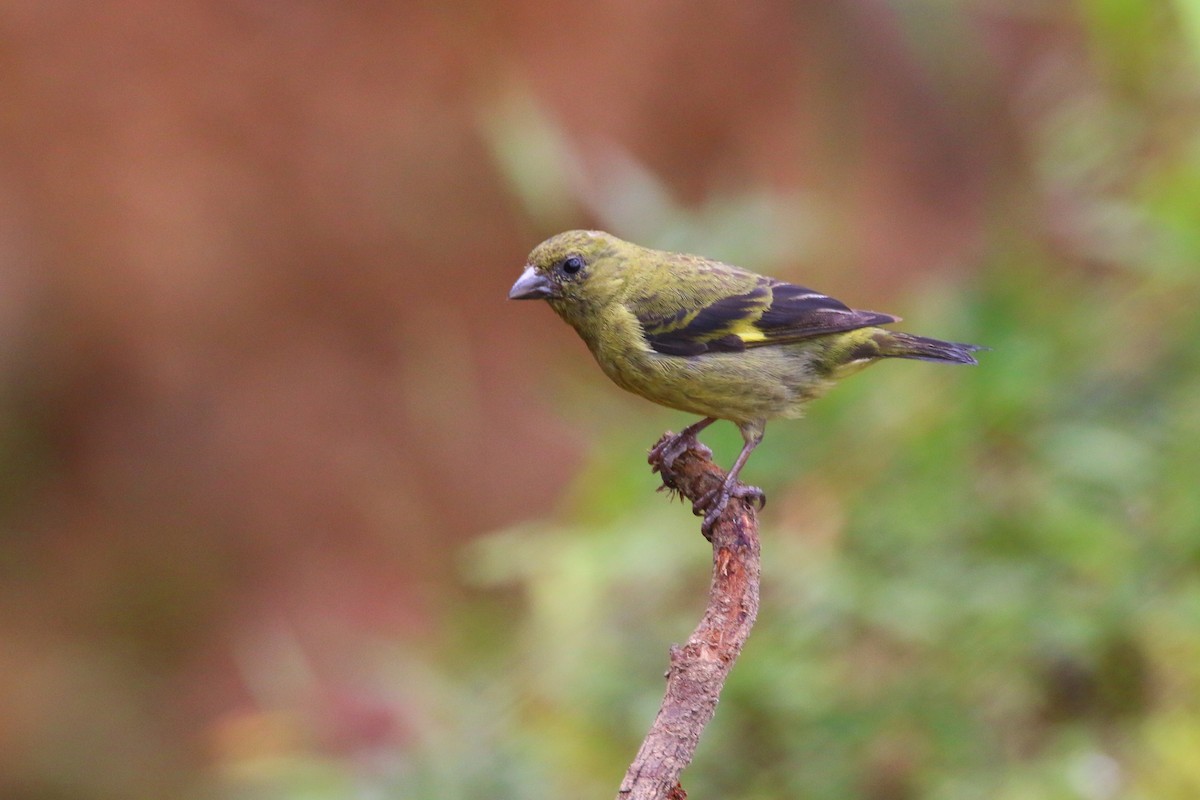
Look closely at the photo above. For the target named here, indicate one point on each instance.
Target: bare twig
(699, 668)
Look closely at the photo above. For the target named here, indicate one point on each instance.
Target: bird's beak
(532, 285)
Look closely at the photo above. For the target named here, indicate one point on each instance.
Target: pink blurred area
(259, 379)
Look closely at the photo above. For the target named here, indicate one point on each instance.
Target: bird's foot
(712, 504)
(662, 455)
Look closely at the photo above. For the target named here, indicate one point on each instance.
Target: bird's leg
(663, 455)
(714, 502)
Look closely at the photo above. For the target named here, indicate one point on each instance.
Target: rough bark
(698, 669)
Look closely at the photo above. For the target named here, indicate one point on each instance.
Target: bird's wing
(720, 308)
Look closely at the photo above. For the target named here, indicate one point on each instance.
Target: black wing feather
(791, 303)
(797, 313)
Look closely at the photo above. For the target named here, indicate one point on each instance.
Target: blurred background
(296, 505)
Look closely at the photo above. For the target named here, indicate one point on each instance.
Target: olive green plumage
(710, 338)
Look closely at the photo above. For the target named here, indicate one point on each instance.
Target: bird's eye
(572, 265)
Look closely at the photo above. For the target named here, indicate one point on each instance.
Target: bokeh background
(296, 505)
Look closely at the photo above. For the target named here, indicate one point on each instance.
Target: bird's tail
(905, 345)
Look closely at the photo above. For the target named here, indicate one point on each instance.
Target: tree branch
(699, 668)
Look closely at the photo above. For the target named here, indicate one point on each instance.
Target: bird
(711, 339)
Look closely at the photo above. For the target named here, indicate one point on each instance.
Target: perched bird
(710, 338)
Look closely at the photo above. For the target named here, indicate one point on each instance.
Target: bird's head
(575, 271)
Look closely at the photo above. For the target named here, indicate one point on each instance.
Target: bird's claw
(713, 503)
(752, 493)
(662, 455)
(711, 516)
